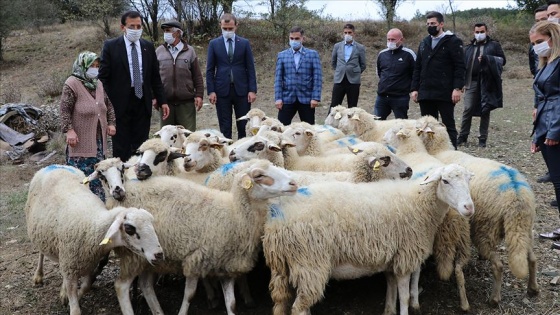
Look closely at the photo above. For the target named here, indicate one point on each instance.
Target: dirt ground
(508, 143)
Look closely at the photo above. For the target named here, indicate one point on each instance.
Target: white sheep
(70, 225)
(452, 244)
(209, 233)
(306, 139)
(384, 226)
(257, 118)
(365, 125)
(266, 145)
(173, 135)
(505, 206)
(334, 116)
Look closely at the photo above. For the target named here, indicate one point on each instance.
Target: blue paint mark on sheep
(275, 211)
(514, 183)
(54, 167)
(224, 169)
(418, 175)
(304, 191)
(329, 128)
(352, 140)
(390, 148)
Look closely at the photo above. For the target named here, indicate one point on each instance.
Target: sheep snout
(143, 171)
(119, 193)
(406, 174)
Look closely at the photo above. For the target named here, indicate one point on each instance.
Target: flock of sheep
(348, 199)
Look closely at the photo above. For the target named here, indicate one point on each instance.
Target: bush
(10, 93)
(52, 86)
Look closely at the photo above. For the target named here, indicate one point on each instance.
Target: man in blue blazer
(230, 76)
(129, 71)
(297, 81)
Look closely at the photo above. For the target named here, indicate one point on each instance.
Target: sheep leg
(391, 295)
(190, 288)
(85, 285)
(414, 301)
(280, 292)
(122, 286)
(146, 282)
(210, 296)
(71, 285)
(497, 271)
(532, 286)
(460, 277)
(308, 292)
(38, 277)
(243, 284)
(403, 283)
(228, 285)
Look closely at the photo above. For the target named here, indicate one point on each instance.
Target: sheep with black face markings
(71, 226)
(210, 233)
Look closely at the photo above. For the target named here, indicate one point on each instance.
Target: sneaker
(461, 141)
(554, 203)
(544, 179)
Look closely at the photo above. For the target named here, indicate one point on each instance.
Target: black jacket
(489, 48)
(533, 60)
(395, 69)
(440, 70)
(115, 74)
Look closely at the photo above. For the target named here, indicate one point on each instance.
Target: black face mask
(432, 30)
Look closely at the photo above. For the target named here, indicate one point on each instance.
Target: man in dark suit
(298, 80)
(129, 71)
(230, 76)
(348, 62)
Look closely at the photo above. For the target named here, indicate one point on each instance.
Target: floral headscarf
(81, 64)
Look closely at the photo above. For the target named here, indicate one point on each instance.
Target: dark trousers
(183, 113)
(472, 102)
(551, 156)
(224, 109)
(384, 104)
(352, 92)
(288, 111)
(446, 109)
(133, 128)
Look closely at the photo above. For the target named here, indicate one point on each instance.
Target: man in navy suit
(129, 71)
(230, 76)
(297, 81)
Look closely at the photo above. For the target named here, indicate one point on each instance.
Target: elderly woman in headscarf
(87, 117)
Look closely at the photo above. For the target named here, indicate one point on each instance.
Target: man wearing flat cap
(181, 77)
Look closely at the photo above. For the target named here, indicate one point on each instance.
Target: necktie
(136, 79)
(230, 50)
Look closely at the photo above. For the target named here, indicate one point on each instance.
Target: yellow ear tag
(105, 241)
(355, 150)
(85, 181)
(376, 166)
(247, 183)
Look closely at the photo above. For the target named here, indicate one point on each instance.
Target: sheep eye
(445, 181)
(263, 119)
(298, 133)
(129, 229)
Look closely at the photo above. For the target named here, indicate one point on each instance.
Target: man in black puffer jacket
(439, 74)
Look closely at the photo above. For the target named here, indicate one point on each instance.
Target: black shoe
(555, 246)
(544, 179)
(554, 203)
(482, 143)
(461, 141)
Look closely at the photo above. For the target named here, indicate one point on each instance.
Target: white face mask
(91, 73)
(480, 37)
(542, 49)
(348, 38)
(392, 45)
(228, 34)
(168, 38)
(554, 20)
(133, 35)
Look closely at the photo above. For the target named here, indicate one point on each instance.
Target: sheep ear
(113, 229)
(434, 176)
(175, 155)
(402, 134)
(92, 176)
(244, 117)
(224, 140)
(157, 134)
(186, 132)
(308, 132)
(274, 147)
(128, 165)
(354, 150)
(337, 116)
(286, 143)
(355, 117)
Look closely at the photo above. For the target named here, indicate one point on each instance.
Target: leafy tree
(98, 11)
(282, 14)
(388, 9)
(529, 5)
(151, 11)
